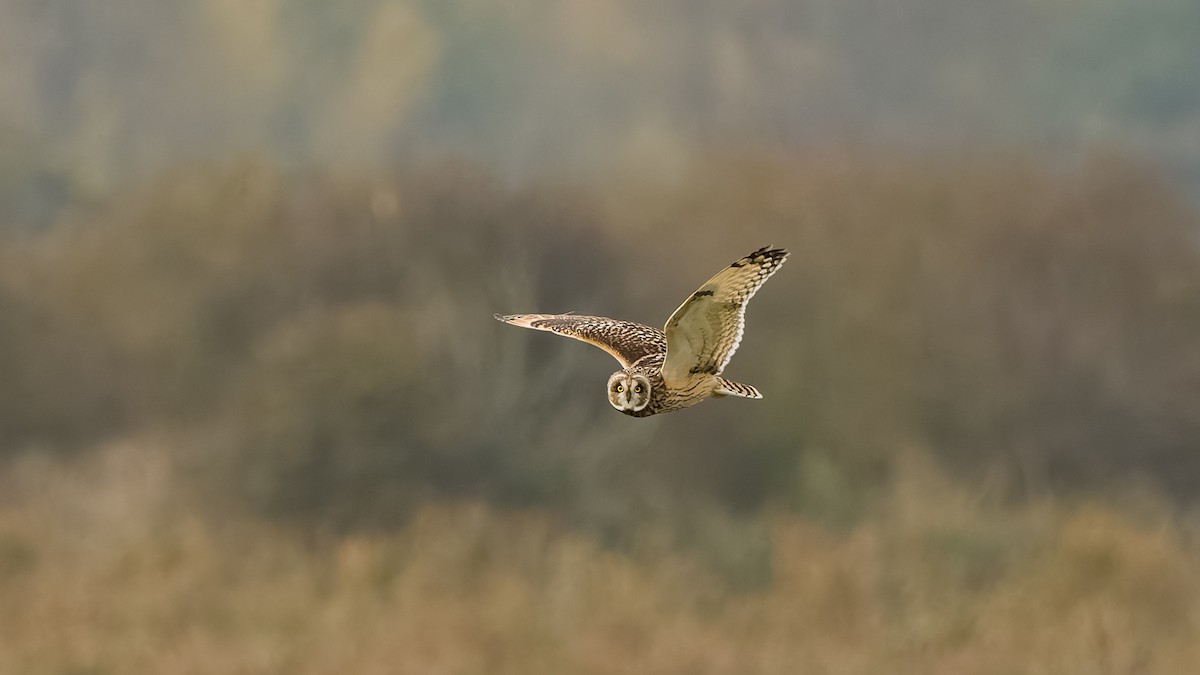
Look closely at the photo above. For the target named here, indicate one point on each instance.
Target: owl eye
(637, 389)
(620, 388)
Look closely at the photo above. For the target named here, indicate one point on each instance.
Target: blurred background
(256, 416)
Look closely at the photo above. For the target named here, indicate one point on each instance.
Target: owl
(680, 365)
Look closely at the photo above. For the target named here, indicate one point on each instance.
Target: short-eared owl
(679, 366)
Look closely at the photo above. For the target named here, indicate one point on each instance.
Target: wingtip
(511, 318)
(775, 256)
(523, 320)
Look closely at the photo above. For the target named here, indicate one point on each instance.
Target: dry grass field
(106, 568)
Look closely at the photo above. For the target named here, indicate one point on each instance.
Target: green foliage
(326, 342)
(33, 187)
(326, 419)
(536, 88)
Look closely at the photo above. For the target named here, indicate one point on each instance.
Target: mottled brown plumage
(681, 365)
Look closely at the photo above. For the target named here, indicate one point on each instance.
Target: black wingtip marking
(764, 253)
(768, 252)
(701, 294)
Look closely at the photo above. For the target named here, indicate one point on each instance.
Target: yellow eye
(620, 388)
(637, 389)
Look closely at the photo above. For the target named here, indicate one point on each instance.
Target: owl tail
(731, 388)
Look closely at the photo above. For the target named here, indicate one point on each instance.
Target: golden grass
(105, 569)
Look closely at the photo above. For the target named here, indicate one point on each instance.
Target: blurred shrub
(328, 341)
(34, 188)
(1041, 323)
(332, 333)
(564, 85)
(325, 421)
(61, 385)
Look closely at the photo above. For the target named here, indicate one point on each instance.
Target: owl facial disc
(628, 392)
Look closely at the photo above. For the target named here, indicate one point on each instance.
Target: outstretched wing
(705, 331)
(625, 340)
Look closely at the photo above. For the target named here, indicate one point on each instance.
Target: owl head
(628, 392)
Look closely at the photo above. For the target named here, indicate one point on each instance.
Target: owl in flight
(680, 365)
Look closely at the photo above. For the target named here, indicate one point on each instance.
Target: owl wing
(625, 340)
(705, 331)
